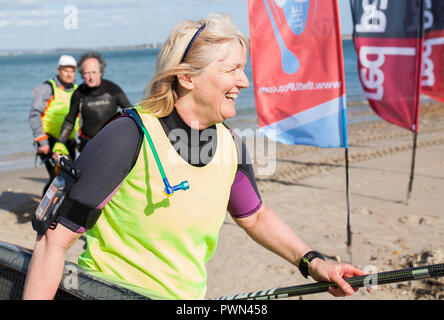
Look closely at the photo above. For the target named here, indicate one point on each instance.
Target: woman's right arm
(46, 268)
(103, 164)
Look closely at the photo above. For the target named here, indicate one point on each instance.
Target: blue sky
(51, 24)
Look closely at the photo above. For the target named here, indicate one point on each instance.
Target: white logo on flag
(373, 20)
(428, 74)
(371, 76)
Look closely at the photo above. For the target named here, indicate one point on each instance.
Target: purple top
(244, 200)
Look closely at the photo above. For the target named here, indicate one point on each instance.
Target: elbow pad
(76, 216)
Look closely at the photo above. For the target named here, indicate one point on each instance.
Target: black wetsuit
(95, 106)
(109, 157)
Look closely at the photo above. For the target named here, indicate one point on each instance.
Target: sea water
(131, 70)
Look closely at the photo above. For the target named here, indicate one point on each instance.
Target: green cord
(147, 135)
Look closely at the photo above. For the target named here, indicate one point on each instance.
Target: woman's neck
(195, 146)
(191, 115)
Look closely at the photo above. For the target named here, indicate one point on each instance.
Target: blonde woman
(144, 240)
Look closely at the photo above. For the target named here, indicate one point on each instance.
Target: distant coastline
(66, 50)
(106, 48)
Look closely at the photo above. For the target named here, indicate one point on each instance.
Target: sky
(52, 24)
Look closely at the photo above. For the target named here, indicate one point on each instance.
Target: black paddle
(430, 271)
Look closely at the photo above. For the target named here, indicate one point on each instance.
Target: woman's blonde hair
(161, 93)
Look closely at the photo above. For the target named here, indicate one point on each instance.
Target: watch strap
(306, 259)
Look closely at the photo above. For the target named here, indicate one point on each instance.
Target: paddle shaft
(436, 270)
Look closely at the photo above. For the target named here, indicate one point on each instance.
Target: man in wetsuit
(95, 101)
(49, 109)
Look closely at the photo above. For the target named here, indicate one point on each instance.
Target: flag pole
(412, 168)
(418, 101)
(347, 183)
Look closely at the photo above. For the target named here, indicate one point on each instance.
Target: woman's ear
(186, 81)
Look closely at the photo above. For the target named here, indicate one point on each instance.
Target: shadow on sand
(22, 204)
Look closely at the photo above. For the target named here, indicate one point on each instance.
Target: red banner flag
(388, 37)
(297, 64)
(433, 56)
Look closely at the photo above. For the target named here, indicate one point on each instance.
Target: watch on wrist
(306, 259)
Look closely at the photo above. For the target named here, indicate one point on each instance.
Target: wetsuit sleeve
(42, 94)
(122, 100)
(104, 163)
(70, 119)
(120, 96)
(245, 198)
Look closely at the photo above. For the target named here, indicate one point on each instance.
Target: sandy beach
(308, 191)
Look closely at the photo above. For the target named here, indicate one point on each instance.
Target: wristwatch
(306, 259)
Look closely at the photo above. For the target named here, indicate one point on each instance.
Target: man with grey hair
(49, 108)
(94, 102)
